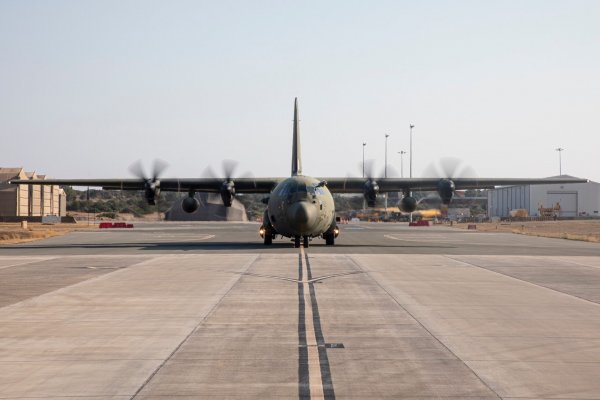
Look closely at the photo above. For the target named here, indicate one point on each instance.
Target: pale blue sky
(88, 87)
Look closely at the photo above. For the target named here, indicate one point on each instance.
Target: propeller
(371, 188)
(151, 183)
(448, 168)
(227, 189)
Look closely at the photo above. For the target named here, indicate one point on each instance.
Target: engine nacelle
(408, 204)
(227, 193)
(446, 190)
(151, 191)
(190, 204)
(370, 192)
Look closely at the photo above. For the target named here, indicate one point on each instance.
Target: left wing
(242, 185)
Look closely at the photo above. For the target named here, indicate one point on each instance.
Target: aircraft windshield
(299, 187)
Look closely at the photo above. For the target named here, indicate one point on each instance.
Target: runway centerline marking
(314, 374)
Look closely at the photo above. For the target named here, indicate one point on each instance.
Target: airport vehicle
(298, 207)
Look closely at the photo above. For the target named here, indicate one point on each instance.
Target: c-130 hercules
(299, 207)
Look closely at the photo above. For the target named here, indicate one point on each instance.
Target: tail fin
(296, 152)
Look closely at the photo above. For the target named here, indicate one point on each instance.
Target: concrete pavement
(155, 313)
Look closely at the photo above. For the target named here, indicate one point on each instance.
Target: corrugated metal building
(574, 199)
(211, 209)
(29, 200)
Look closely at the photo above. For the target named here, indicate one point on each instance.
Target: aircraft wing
(357, 185)
(242, 185)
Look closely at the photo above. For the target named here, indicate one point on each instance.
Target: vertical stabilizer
(296, 153)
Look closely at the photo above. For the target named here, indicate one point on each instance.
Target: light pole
(364, 144)
(411, 148)
(387, 135)
(560, 150)
(364, 204)
(402, 153)
(411, 157)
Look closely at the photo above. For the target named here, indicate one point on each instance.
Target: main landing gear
(267, 234)
(330, 235)
(329, 238)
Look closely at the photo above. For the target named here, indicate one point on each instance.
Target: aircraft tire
(268, 239)
(329, 239)
(306, 242)
(297, 241)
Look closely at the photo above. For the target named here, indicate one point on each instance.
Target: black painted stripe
(326, 379)
(303, 377)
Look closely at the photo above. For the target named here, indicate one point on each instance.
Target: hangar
(565, 201)
(29, 200)
(211, 209)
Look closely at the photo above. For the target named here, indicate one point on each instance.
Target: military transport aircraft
(299, 207)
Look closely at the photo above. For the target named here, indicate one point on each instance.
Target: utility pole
(560, 150)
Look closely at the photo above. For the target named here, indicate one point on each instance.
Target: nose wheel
(304, 239)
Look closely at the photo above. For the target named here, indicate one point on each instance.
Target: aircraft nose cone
(301, 215)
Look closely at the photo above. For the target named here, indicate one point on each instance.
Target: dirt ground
(586, 230)
(11, 233)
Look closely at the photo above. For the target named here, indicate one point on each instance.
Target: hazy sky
(88, 87)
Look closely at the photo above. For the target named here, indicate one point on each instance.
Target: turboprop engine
(370, 192)
(446, 190)
(227, 193)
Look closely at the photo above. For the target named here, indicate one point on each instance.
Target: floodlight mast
(387, 135)
(560, 150)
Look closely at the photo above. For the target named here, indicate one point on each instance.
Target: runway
(205, 310)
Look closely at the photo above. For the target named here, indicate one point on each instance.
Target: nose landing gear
(305, 241)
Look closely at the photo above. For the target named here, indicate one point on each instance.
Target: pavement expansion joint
(294, 280)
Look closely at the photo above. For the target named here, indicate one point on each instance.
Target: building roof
(7, 174)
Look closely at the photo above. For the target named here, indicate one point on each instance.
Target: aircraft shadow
(200, 245)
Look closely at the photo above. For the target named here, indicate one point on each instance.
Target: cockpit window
(286, 189)
(299, 187)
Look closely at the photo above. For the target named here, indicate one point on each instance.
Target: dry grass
(11, 233)
(585, 230)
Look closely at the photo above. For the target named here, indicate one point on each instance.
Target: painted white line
(25, 261)
(424, 239)
(314, 365)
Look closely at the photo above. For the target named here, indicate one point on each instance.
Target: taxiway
(205, 310)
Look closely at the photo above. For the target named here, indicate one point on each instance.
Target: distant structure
(564, 201)
(29, 200)
(211, 209)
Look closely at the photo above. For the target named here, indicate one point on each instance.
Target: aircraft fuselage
(299, 206)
